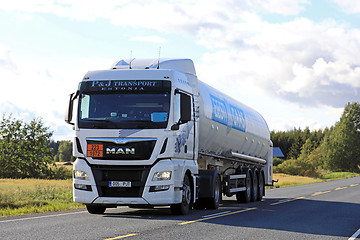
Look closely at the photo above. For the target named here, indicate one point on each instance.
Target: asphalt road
(329, 210)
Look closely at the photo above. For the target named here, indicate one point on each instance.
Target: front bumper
(142, 190)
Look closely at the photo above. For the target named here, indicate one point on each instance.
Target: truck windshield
(113, 110)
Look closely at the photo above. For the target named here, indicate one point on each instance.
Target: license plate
(95, 150)
(119, 184)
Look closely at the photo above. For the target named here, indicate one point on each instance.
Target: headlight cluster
(81, 175)
(159, 176)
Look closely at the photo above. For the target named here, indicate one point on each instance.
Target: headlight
(159, 176)
(81, 175)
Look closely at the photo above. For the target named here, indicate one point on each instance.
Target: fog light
(83, 187)
(159, 188)
(159, 176)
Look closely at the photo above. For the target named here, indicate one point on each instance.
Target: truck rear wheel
(255, 186)
(183, 207)
(261, 186)
(245, 196)
(214, 201)
(93, 209)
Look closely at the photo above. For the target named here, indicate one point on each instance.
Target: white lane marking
(47, 216)
(355, 235)
(215, 214)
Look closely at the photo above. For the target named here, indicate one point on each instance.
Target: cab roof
(183, 65)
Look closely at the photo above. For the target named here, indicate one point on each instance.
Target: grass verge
(25, 196)
(286, 180)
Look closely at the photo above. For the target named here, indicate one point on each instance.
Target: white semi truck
(149, 133)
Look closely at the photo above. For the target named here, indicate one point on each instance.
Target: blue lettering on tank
(227, 114)
(238, 118)
(219, 111)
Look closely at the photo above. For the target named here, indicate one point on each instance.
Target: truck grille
(134, 174)
(141, 150)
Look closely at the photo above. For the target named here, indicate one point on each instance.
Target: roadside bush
(62, 173)
(298, 167)
(277, 161)
(23, 149)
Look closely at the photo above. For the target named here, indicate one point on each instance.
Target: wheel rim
(255, 186)
(217, 190)
(248, 184)
(186, 194)
(261, 185)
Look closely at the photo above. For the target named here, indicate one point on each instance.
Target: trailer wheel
(255, 185)
(261, 190)
(245, 196)
(95, 209)
(214, 202)
(183, 207)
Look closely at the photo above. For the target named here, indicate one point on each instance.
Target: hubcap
(186, 194)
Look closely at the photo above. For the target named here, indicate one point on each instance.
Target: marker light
(81, 175)
(159, 176)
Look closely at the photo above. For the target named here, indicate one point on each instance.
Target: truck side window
(182, 108)
(177, 109)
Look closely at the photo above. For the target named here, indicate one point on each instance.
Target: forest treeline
(314, 153)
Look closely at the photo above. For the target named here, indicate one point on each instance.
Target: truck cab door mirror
(69, 110)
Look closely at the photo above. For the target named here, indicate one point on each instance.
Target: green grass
(339, 175)
(286, 180)
(26, 196)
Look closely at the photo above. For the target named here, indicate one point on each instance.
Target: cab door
(184, 121)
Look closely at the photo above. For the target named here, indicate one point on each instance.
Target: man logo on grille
(121, 151)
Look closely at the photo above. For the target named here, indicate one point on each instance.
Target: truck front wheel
(183, 207)
(93, 209)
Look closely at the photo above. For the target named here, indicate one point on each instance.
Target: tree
(64, 153)
(340, 148)
(23, 149)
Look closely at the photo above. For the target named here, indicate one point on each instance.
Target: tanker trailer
(148, 133)
(234, 140)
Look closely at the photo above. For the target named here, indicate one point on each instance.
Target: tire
(95, 209)
(261, 188)
(214, 202)
(245, 196)
(183, 207)
(255, 186)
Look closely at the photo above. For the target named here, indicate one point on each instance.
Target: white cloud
(349, 6)
(151, 39)
(301, 61)
(40, 89)
(314, 64)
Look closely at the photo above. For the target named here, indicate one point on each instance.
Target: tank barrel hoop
(250, 158)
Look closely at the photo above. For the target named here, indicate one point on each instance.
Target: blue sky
(296, 62)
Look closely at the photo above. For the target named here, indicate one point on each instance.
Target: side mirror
(69, 110)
